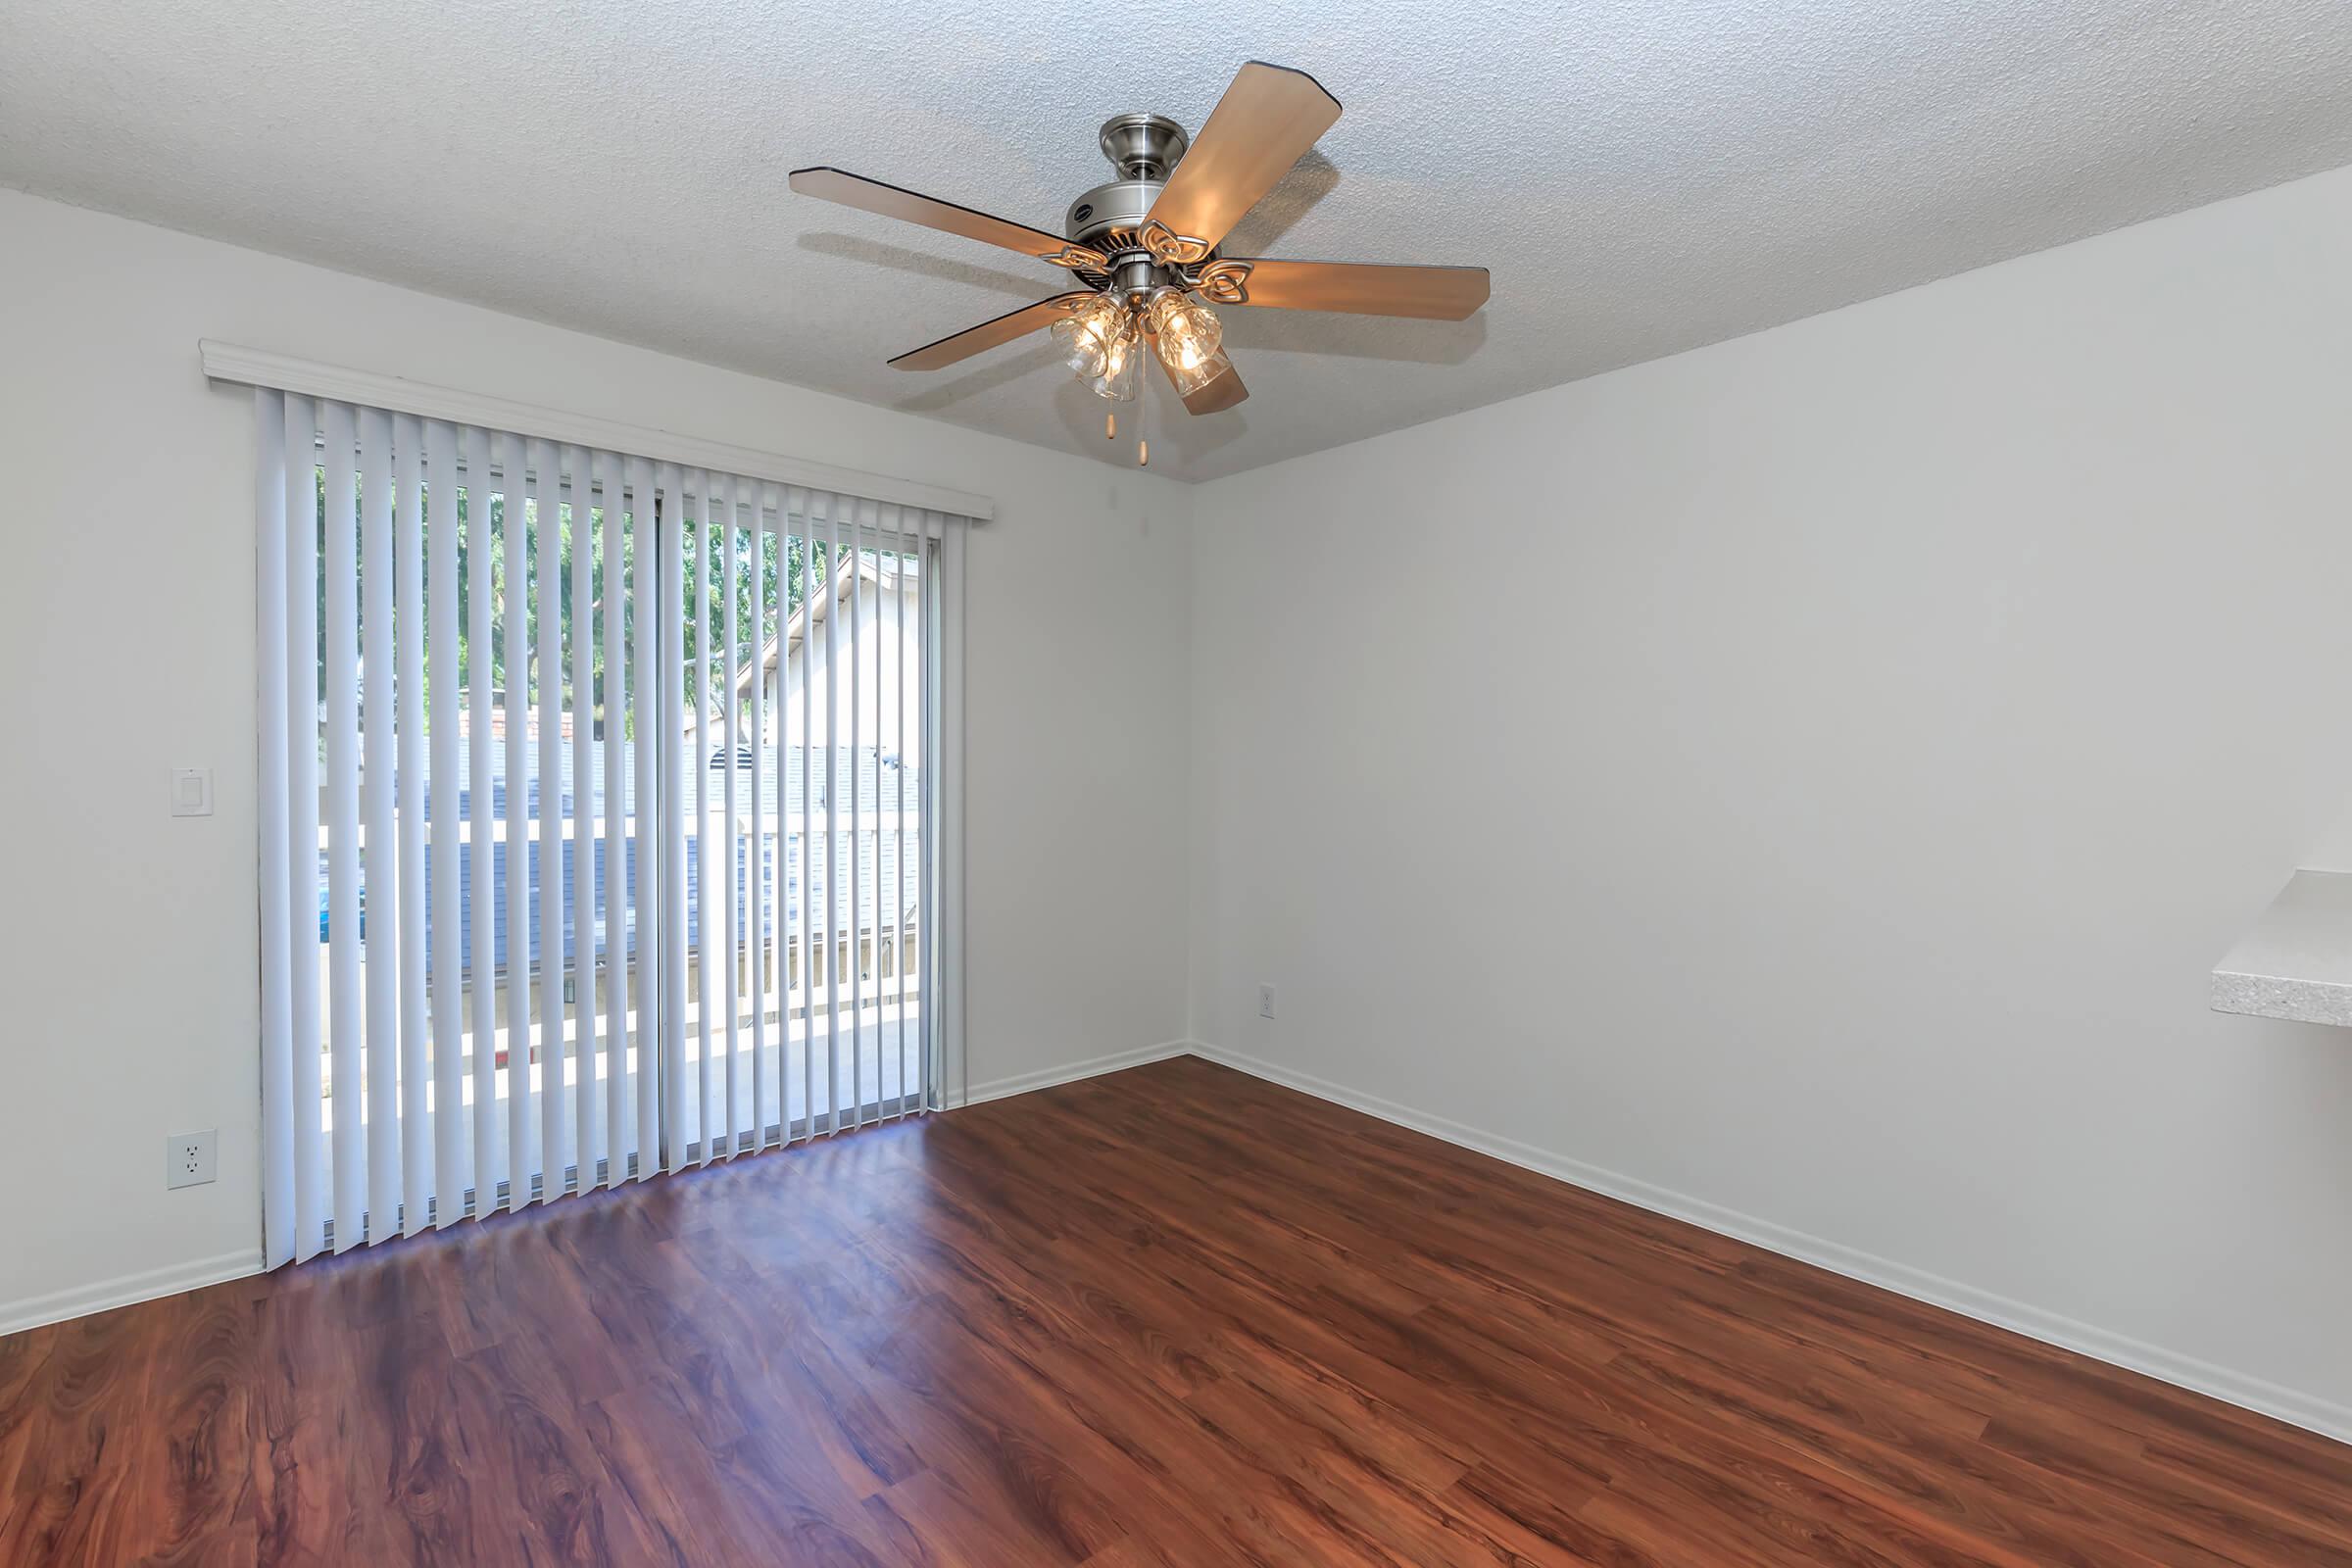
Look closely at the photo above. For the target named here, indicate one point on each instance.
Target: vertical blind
(597, 832)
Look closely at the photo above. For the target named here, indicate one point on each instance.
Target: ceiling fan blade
(1215, 396)
(1363, 289)
(1265, 124)
(911, 207)
(988, 334)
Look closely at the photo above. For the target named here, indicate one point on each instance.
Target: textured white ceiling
(1642, 175)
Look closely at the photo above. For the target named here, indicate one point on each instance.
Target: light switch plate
(189, 1158)
(191, 792)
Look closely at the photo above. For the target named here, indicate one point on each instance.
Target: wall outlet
(1265, 999)
(189, 1159)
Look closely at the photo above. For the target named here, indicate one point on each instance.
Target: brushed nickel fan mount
(1146, 247)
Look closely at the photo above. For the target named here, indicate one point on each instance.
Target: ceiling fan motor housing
(1143, 146)
(1145, 149)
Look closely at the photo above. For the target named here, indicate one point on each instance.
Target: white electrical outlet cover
(189, 1158)
(191, 792)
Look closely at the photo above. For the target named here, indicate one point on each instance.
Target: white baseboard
(2304, 1410)
(82, 1299)
(1067, 1073)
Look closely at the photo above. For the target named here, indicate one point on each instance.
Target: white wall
(127, 939)
(1813, 777)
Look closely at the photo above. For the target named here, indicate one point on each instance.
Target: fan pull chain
(1110, 426)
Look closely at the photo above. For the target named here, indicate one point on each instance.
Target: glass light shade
(1084, 335)
(1188, 336)
(1193, 375)
(1122, 351)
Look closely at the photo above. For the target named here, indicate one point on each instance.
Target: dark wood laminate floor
(1170, 1318)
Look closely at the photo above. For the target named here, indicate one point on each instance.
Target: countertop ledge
(2296, 962)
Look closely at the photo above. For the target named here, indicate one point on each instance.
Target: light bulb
(1188, 336)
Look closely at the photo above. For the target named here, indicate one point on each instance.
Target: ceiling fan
(1146, 247)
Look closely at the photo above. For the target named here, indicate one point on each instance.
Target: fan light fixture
(1101, 340)
(1145, 248)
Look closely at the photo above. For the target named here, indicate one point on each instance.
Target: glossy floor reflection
(1171, 1316)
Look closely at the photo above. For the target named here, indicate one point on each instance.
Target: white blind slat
(484, 1165)
(613, 764)
(301, 497)
(277, 887)
(670, 532)
(379, 853)
(447, 980)
(771, 1089)
(707, 862)
(860, 690)
(588, 1135)
(766, 834)
(917, 764)
(544, 488)
(515, 607)
(792, 872)
(407, 648)
(347, 1005)
(617, 1111)
(645, 689)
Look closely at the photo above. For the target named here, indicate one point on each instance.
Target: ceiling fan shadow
(851, 247)
(1360, 337)
(994, 373)
(1313, 177)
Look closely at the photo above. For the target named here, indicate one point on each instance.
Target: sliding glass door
(600, 826)
(807, 803)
